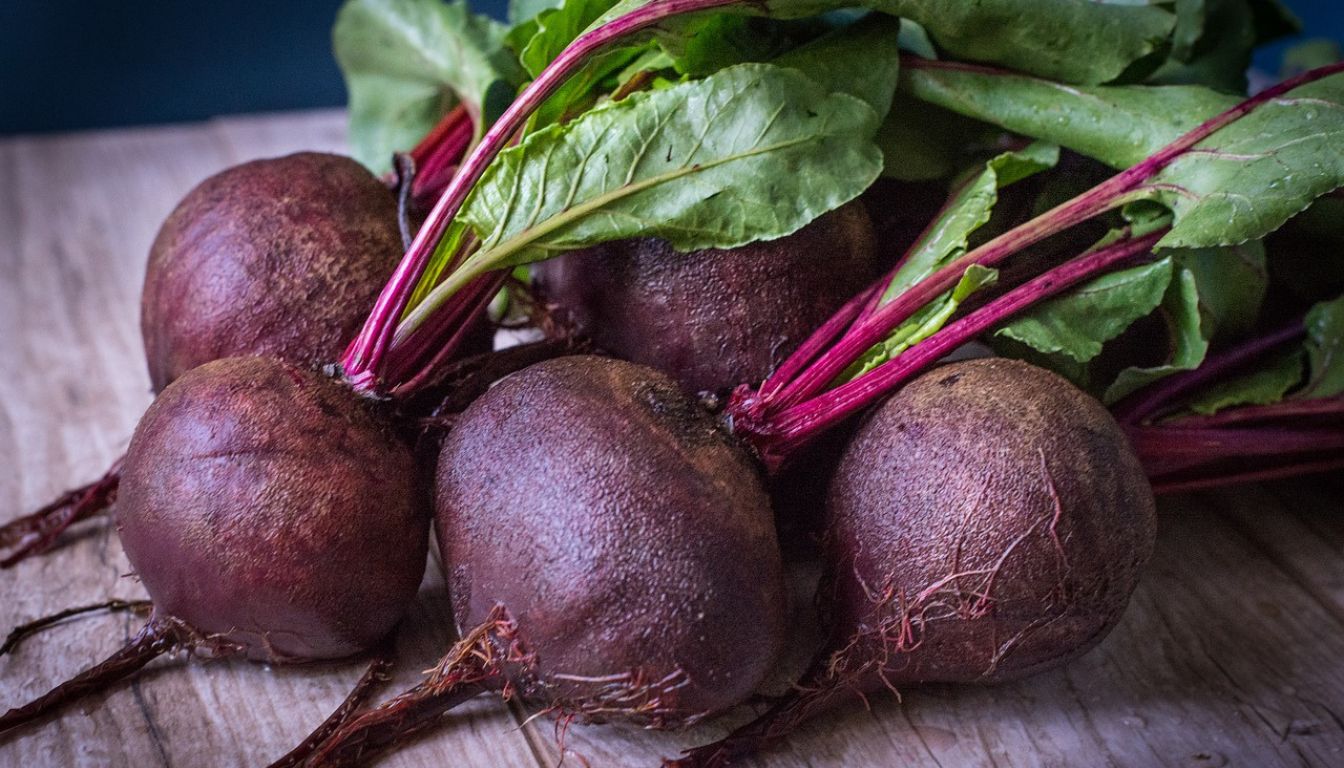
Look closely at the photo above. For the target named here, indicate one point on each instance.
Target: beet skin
(713, 319)
(270, 505)
(281, 258)
(988, 521)
(624, 534)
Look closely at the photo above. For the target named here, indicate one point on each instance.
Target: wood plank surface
(1232, 652)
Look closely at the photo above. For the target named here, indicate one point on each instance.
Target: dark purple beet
(269, 504)
(713, 319)
(269, 512)
(622, 530)
(1000, 514)
(281, 258)
(987, 522)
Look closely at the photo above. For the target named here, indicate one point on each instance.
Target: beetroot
(987, 522)
(1007, 547)
(609, 551)
(713, 319)
(281, 258)
(269, 512)
(251, 490)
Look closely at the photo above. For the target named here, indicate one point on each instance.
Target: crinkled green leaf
(407, 62)
(1078, 323)
(1189, 345)
(1072, 40)
(753, 152)
(948, 237)
(1267, 384)
(1325, 350)
(1247, 179)
(1118, 125)
(862, 59)
(1223, 286)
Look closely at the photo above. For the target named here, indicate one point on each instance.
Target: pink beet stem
(434, 172)
(1217, 479)
(794, 428)
(1285, 410)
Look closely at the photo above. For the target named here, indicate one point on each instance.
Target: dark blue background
(69, 64)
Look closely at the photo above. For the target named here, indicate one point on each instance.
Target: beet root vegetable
(268, 512)
(987, 522)
(610, 554)
(712, 319)
(279, 257)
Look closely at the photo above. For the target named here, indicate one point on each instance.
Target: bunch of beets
(937, 299)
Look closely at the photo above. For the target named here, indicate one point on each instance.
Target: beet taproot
(269, 512)
(712, 319)
(987, 522)
(280, 258)
(1001, 515)
(269, 504)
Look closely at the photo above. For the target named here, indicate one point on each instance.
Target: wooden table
(1232, 652)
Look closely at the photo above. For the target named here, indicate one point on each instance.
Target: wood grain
(1231, 654)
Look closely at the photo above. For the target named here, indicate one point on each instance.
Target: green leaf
(407, 62)
(1219, 50)
(710, 42)
(753, 152)
(1118, 125)
(1232, 283)
(1325, 350)
(1267, 384)
(948, 237)
(1247, 179)
(1190, 17)
(556, 28)
(921, 142)
(1077, 41)
(1180, 306)
(1078, 323)
(862, 60)
(1072, 40)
